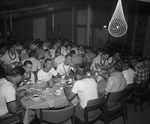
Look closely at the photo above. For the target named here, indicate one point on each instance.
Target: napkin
(49, 101)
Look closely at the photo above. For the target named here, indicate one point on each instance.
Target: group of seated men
(44, 64)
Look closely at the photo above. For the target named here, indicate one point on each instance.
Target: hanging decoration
(118, 26)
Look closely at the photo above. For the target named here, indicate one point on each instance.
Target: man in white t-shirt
(9, 99)
(64, 68)
(28, 77)
(46, 73)
(46, 76)
(86, 89)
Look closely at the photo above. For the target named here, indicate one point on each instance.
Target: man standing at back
(9, 98)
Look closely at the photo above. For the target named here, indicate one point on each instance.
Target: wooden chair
(57, 116)
(129, 91)
(92, 105)
(115, 107)
(12, 118)
(142, 94)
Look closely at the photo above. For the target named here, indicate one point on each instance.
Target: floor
(134, 117)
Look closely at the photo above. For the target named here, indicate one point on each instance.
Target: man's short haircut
(32, 53)
(27, 62)
(80, 72)
(118, 66)
(18, 70)
(48, 59)
(72, 52)
(67, 56)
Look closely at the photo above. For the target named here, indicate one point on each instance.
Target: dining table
(43, 98)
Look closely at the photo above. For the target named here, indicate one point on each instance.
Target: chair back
(130, 86)
(12, 118)
(116, 107)
(144, 84)
(57, 116)
(93, 105)
(130, 89)
(114, 96)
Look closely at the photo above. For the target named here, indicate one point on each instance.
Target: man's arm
(13, 106)
(69, 94)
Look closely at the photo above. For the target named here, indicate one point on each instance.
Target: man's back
(129, 75)
(86, 90)
(116, 82)
(7, 94)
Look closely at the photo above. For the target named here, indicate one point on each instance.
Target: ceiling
(26, 8)
(17, 4)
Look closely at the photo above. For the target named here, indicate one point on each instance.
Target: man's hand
(97, 66)
(21, 94)
(67, 88)
(69, 94)
(50, 83)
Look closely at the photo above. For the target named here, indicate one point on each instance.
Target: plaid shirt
(141, 72)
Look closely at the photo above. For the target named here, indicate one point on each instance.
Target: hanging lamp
(118, 26)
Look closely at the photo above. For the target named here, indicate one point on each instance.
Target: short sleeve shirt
(86, 90)
(7, 94)
(63, 69)
(45, 76)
